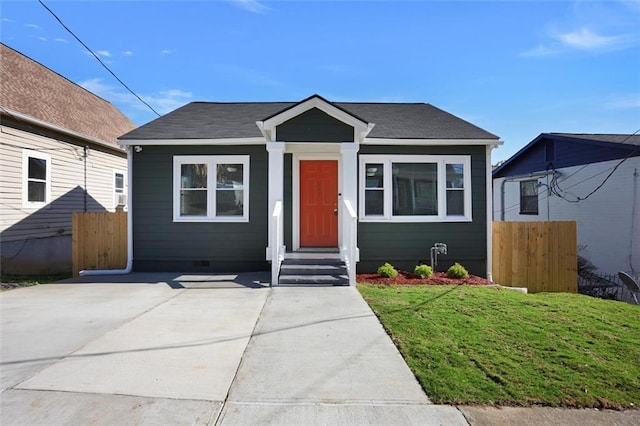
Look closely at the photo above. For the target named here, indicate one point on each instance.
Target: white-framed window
(36, 178)
(119, 189)
(415, 188)
(211, 188)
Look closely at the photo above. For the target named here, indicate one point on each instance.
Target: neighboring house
(59, 155)
(593, 179)
(391, 178)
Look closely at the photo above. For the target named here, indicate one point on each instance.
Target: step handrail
(349, 250)
(277, 249)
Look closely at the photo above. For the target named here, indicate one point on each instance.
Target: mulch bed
(406, 278)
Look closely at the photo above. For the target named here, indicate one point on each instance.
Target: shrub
(457, 271)
(423, 271)
(387, 271)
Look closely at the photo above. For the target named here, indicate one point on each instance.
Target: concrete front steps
(313, 269)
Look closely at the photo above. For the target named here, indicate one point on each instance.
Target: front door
(318, 203)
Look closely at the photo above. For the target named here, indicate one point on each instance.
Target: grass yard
(474, 345)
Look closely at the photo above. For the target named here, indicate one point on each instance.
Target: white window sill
(418, 219)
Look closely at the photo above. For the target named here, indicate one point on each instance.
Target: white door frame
(301, 156)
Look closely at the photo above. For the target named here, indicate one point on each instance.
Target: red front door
(319, 203)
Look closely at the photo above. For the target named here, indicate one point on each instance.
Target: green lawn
(474, 345)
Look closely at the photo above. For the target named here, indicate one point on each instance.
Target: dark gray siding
(288, 201)
(160, 244)
(314, 125)
(406, 244)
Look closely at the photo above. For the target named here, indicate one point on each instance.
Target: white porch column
(276, 186)
(349, 153)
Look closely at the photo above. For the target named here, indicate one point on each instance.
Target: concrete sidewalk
(223, 350)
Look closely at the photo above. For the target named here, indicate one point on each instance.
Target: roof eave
(37, 122)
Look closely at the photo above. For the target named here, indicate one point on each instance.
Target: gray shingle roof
(216, 120)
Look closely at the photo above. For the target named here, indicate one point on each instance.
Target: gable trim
(268, 126)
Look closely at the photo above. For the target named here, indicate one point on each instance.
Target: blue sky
(516, 69)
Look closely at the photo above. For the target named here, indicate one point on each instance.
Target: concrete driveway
(190, 349)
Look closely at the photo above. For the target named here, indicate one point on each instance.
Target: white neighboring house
(59, 155)
(593, 179)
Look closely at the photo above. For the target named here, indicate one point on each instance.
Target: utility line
(97, 58)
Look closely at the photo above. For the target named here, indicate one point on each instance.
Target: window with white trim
(415, 188)
(119, 189)
(36, 178)
(211, 188)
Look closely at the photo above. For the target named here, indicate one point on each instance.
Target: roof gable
(551, 151)
(267, 125)
(31, 89)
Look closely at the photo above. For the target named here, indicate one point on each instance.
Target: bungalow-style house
(58, 155)
(593, 179)
(233, 186)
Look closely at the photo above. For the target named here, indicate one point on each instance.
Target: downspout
(129, 266)
(489, 220)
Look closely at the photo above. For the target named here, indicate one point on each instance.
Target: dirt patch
(406, 278)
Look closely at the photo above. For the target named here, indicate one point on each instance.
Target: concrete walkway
(217, 350)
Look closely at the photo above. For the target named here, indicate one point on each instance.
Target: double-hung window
(119, 192)
(36, 178)
(415, 188)
(529, 197)
(211, 188)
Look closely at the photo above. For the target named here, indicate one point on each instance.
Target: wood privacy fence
(541, 256)
(99, 241)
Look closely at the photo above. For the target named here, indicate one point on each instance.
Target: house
(233, 186)
(59, 155)
(592, 179)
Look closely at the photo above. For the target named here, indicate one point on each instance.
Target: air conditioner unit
(121, 199)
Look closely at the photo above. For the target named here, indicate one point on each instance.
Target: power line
(555, 189)
(97, 58)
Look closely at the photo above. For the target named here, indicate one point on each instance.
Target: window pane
(119, 182)
(529, 188)
(455, 176)
(455, 203)
(193, 203)
(193, 176)
(37, 168)
(373, 202)
(37, 191)
(230, 203)
(229, 176)
(374, 176)
(415, 189)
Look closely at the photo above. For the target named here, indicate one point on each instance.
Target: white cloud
(42, 38)
(250, 5)
(127, 53)
(163, 102)
(167, 52)
(8, 20)
(585, 39)
(32, 25)
(104, 53)
(61, 40)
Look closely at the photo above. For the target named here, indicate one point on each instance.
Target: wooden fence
(541, 256)
(99, 241)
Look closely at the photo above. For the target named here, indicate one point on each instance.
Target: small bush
(387, 271)
(423, 271)
(457, 271)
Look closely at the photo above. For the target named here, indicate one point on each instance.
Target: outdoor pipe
(129, 266)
